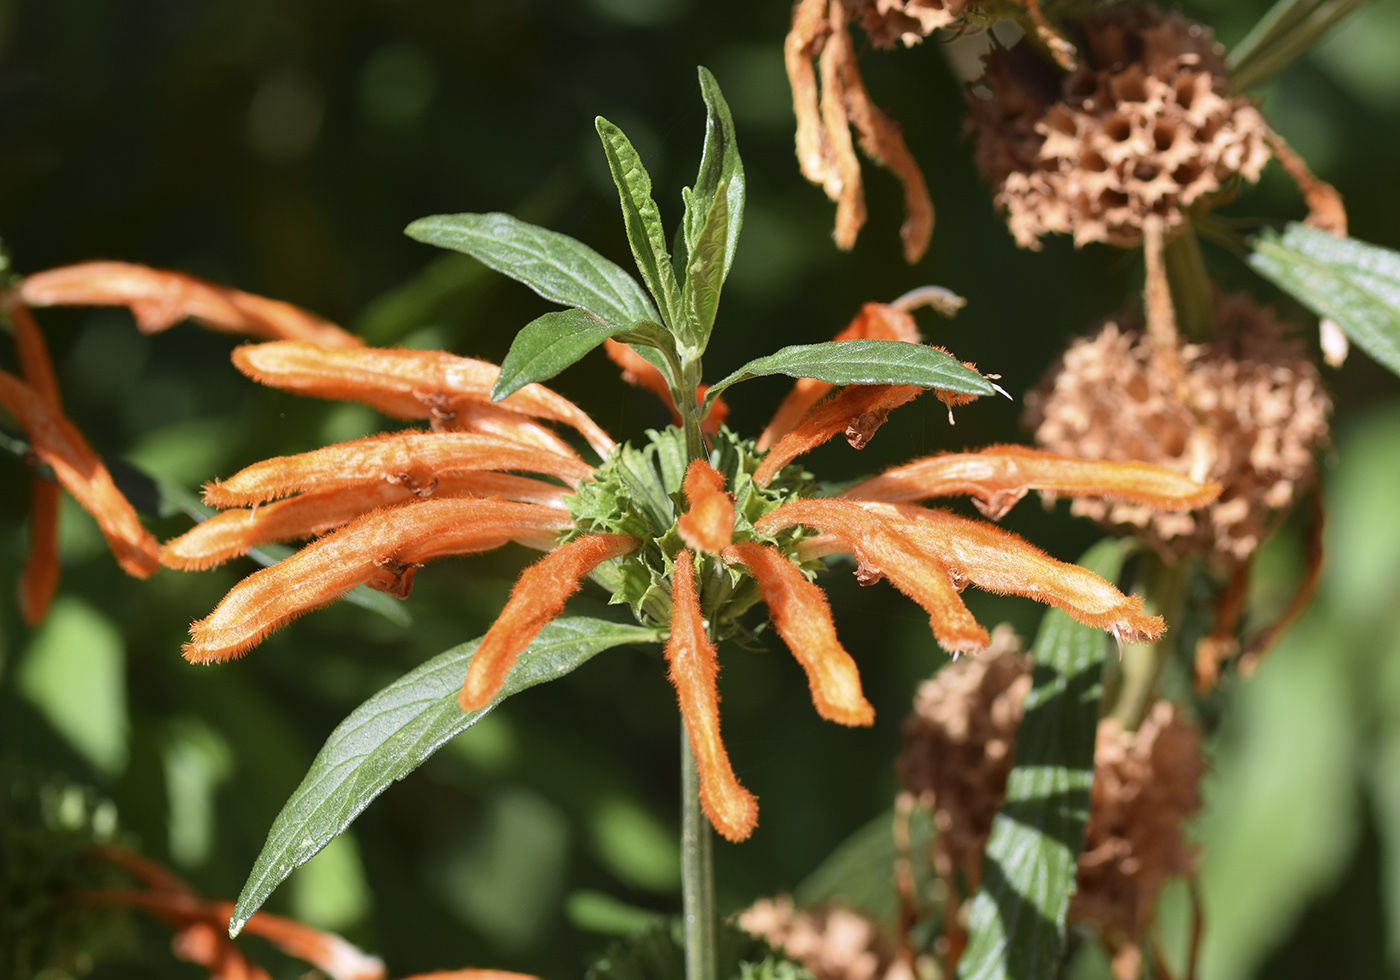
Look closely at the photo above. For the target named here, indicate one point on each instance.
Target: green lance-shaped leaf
(1288, 30)
(721, 175)
(547, 345)
(863, 362)
(642, 219)
(395, 731)
(1016, 921)
(704, 271)
(1350, 282)
(559, 268)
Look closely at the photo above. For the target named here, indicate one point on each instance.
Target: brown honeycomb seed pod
(833, 943)
(1141, 127)
(907, 22)
(1247, 410)
(958, 751)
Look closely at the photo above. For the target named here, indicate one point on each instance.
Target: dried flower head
(1143, 126)
(907, 22)
(834, 943)
(958, 749)
(1246, 411)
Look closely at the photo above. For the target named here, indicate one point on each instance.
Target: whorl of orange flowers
(379, 508)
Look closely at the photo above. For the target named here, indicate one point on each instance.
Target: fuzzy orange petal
(708, 524)
(538, 597)
(998, 476)
(492, 420)
(694, 662)
(159, 299)
(380, 549)
(57, 442)
(406, 383)
(875, 321)
(882, 550)
(232, 533)
(802, 618)
(415, 459)
(857, 411)
(638, 371)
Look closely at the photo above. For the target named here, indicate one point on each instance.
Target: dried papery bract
(159, 299)
(380, 549)
(999, 476)
(233, 532)
(415, 459)
(831, 942)
(409, 384)
(875, 321)
(58, 444)
(1143, 127)
(694, 668)
(537, 598)
(638, 371)
(824, 147)
(802, 617)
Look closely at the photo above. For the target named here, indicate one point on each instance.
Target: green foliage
(658, 954)
(393, 732)
(1355, 284)
(550, 343)
(555, 266)
(1016, 921)
(863, 362)
(1287, 31)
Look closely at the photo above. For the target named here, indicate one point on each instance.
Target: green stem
(1190, 285)
(1164, 594)
(697, 873)
(687, 405)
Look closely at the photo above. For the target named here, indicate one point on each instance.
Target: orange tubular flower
(159, 299)
(537, 598)
(407, 384)
(857, 411)
(999, 476)
(58, 444)
(709, 523)
(638, 371)
(802, 618)
(415, 459)
(381, 549)
(955, 551)
(39, 582)
(233, 532)
(694, 666)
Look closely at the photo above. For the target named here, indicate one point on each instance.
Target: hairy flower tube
(688, 544)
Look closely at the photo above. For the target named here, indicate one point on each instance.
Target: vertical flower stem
(1164, 594)
(697, 873)
(1190, 285)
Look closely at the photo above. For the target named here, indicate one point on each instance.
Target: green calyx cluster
(638, 491)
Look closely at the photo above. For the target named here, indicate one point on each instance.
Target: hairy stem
(697, 873)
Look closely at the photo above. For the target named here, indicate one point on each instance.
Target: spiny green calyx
(638, 491)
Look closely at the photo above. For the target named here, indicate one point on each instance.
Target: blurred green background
(282, 146)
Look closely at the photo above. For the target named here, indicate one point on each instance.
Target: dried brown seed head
(833, 943)
(1141, 127)
(1247, 411)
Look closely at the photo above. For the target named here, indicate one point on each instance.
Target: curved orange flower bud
(694, 662)
(641, 373)
(709, 523)
(999, 476)
(233, 532)
(39, 581)
(409, 384)
(380, 549)
(159, 299)
(415, 459)
(802, 618)
(875, 321)
(538, 597)
(857, 411)
(58, 443)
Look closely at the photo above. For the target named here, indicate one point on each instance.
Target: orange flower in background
(158, 299)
